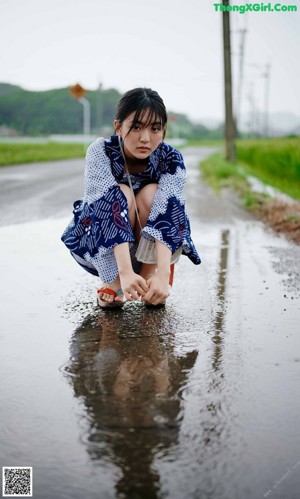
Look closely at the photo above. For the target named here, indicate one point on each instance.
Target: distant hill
(7, 88)
(57, 112)
(53, 111)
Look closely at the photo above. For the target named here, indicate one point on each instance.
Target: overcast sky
(173, 46)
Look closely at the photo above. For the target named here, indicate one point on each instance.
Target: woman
(133, 191)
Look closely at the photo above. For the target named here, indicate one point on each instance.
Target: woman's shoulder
(95, 148)
(103, 146)
(167, 148)
(170, 152)
(171, 155)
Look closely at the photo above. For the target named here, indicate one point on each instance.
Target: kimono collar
(113, 151)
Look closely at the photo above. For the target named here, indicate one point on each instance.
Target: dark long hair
(140, 101)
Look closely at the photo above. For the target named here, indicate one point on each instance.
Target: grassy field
(274, 161)
(17, 153)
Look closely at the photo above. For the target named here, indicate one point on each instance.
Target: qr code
(17, 482)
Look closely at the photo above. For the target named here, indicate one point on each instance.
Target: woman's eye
(156, 128)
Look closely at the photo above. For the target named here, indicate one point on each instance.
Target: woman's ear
(117, 127)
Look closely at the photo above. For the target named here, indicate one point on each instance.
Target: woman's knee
(144, 199)
(127, 193)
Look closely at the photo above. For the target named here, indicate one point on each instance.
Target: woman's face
(141, 140)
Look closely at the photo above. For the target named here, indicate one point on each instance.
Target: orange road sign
(77, 91)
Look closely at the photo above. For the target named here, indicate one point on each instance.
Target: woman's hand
(133, 285)
(158, 289)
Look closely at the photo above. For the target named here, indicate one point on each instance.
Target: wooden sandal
(110, 304)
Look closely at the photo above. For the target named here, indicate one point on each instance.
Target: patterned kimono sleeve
(98, 177)
(101, 219)
(167, 220)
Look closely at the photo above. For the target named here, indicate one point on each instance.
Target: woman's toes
(106, 297)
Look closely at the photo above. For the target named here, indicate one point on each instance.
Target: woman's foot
(111, 297)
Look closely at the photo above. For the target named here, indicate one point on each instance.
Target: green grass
(274, 161)
(18, 153)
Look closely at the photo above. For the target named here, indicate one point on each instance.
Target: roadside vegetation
(18, 153)
(275, 162)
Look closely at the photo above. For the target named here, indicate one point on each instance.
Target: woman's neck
(136, 163)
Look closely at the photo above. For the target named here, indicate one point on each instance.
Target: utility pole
(252, 125)
(241, 75)
(99, 108)
(229, 121)
(266, 75)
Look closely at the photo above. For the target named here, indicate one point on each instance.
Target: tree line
(56, 111)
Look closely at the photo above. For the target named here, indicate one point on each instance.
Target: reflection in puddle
(215, 423)
(124, 368)
(221, 289)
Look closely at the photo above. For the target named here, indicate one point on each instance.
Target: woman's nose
(145, 135)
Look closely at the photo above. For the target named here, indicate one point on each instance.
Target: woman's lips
(143, 149)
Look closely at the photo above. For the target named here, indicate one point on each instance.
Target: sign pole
(86, 115)
(78, 92)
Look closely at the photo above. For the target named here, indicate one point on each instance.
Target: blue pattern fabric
(101, 221)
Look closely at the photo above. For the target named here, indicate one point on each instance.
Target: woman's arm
(106, 201)
(159, 282)
(133, 285)
(167, 219)
(98, 177)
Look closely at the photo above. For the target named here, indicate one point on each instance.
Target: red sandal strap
(108, 291)
(171, 278)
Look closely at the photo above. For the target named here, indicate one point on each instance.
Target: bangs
(150, 114)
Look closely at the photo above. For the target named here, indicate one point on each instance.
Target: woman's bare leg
(144, 201)
(156, 275)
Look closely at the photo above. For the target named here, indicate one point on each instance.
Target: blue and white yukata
(101, 218)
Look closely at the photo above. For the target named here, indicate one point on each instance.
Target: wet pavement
(197, 400)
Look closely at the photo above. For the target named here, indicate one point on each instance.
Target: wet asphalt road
(39, 190)
(200, 400)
